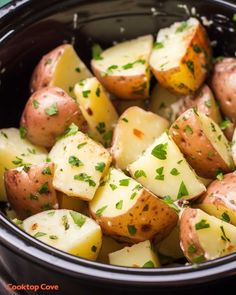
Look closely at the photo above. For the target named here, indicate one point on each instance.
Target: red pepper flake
(34, 226)
(89, 111)
(138, 133)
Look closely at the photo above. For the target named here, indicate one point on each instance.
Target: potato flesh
(90, 154)
(12, 149)
(213, 240)
(134, 132)
(174, 160)
(125, 53)
(69, 70)
(135, 256)
(96, 108)
(233, 149)
(71, 203)
(120, 193)
(213, 132)
(58, 229)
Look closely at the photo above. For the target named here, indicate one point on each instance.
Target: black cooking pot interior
(29, 29)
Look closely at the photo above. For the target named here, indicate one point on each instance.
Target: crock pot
(31, 28)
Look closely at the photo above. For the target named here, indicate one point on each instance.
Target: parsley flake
(52, 110)
(78, 218)
(160, 151)
(202, 224)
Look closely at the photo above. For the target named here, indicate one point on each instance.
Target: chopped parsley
(207, 103)
(220, 175)
(111, 69)
(94, 249)
(86, 178)
(100, 211)
(78, 218)
(53, 237)
(191, 249)
(51, 213)
(224, 237)
(133, 195)
(170, 203)
(158, 45)
(33, 197)
(188, 129)
(75, 162)
(174, 172)
(119, 205)
(77, 70)
(47, 171)
(100, 166)
(39, 234)
(86, 93)
(4, 134)
(160, 151)
(125, 120)
(65, 222)
(196, 48)
(98, 92)
(131, 229)
(46, 206)
(97, 52)
(52, 110)
(124, 182)
(224, 124)
(44, 189)
(23, 132)
(198, 259)
(79, 146)
(139, 173)
(234, 17)
(48, 62)
(225, 217)
(148, 264)
(160, 175)
(182, 191)
(202, 224)
(71, 130)
(113, 186)
(182, 27)
(35, 103)
(130, 65)
(101, 127)
(190, 65)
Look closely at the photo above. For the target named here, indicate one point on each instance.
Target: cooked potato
(204, 237)
(124, 70)
(66, 230)
(181, 56)
(71, 203)
(127, 211)
(139, 255)
(16, 151)
(220, 199)
(29, 190)
(204, 101)
(223, 86)
(134, 132)
(170, 246)
(233, 146)
(122, 105)
(60, 67)
(97, 109)
(80, 164)
(48, 113)
(109, 245)
(161, 103)
(203, 144)
(164, 171)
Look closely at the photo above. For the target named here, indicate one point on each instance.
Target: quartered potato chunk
(127, 211)
(139, 255)
(181, 56)
(66, 230)
(124, 68)
(60, 67)
(134, 132)
(220, 198)
(71, 203)
(80, 164)
(97, 109)
(15, 151)
(204, 237)
(203, 143)
(164, 171)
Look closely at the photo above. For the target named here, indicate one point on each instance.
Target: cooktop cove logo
(28, 287)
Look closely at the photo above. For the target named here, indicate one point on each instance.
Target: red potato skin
(188, 235)
(22, 190)
(43, 129)
(221, 193)
(43, 72)
(223, 84)
(196, 147)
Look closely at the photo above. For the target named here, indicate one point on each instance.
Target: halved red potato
(97, 109)
(220, 199)
(80, 164)
(163, 170)
(181, 56)
(60, 67)
(139, 255)
(203, 143)
(48, 112)
(205, 237)
(29, 190)
(17, 151)
(66, 230)
(127, 211)
(134, 132)
(124, 70)
(223, 86)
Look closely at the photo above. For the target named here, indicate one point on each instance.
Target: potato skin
(205, 103)
(188, 235)
(196, 147)
(43, 129)
(224, 86)
(124, 87)
(23, 190)
(221, 193)
(158, 220)
(43, 72)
